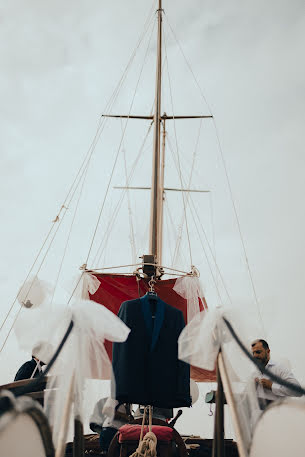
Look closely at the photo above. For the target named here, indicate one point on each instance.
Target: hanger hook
(151, 284)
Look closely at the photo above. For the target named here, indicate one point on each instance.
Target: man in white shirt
(266, 388)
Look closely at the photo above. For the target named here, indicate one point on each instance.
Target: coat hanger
(152, 293)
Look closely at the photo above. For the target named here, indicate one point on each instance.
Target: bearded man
(266, 388)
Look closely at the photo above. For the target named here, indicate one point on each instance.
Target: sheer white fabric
(83, 356)
(85, 284)
(88, 283)
(199, 344)
(34, 292)
(189, 287)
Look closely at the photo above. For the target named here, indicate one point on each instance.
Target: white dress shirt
(277, 390)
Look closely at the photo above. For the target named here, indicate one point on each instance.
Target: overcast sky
(60, 62)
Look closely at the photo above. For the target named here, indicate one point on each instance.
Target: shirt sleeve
(282, 391)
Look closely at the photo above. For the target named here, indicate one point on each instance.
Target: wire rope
(201, 242)
(69, 233)
(177, 151)
(59, 222)
(89, 152)
(118, 152)
(132, 235)
(192, 168)
(116, 211)
(227, 179)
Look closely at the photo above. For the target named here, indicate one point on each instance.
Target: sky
(60, 62)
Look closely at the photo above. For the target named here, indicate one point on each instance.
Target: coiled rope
(148, 445)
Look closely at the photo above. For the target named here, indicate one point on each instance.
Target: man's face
(260, 353)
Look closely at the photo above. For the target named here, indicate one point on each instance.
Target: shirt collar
(270, 364)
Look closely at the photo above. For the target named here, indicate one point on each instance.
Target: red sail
(114, 289)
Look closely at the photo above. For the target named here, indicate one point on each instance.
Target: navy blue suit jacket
(26, 370)
(146, 366)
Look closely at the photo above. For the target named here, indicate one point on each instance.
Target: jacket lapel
(153, 326)
(158, 322)
(147, 315)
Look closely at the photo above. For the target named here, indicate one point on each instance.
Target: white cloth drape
(83, 356)
(189, 287)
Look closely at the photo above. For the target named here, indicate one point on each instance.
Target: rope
(227, 178)
(178, 158)
(148, 445)
(207, 241)
(118, 152)
(118, 206)
(239, 228)
(57, 219)
(78, 177)
(188, 65)
(69, 233)
(132, 235)
(207, 260)
(190, 178)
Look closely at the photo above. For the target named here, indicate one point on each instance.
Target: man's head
(261, 351)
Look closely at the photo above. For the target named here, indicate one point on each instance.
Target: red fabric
(131, 432)
(114, 289)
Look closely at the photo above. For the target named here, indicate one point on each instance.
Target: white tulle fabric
(88, 283)
(199, 344)
(34, 292)
(189, 287)
(83, 357)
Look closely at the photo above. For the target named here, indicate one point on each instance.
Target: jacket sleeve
(25, 371)
(183, 381)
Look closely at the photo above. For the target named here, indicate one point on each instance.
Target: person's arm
(282, 391)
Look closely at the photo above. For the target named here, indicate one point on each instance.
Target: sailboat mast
(156, 209)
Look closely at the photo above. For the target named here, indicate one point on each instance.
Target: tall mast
(155, 247)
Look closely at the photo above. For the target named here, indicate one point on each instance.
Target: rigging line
(168, 220)
(76, 286)
(213, 229)
(192, 167)
(57, 218)
(70, 231)
(150, 19)
(206, 238)
(238, 226)
(211, 252)
(179, 235)
(119, 148)
(115, 213)
(21, 306)
(30, 271)
(113, 97)
(89, 152)
(139, 265)
(117, 208)
(207, 259)
(132, 236)
(177, 150)
(227, 177)
(101, 123)
(189, 66)
(41, 263)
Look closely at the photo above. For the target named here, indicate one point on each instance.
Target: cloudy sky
(61, 61)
